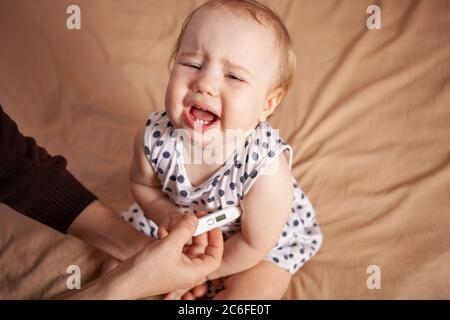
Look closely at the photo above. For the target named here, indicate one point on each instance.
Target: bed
(368, 118)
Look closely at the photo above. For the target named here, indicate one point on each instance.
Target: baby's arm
(266, 209)
(145, 185)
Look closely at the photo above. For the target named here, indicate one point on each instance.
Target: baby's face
(227, 64)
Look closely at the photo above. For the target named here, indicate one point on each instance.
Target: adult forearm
(238, 256)
(112, 285)
(36, 183)
(101, 289)
(103, 228)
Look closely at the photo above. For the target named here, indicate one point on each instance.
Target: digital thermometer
(217, 219)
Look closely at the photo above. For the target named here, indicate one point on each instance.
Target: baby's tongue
(202, 114)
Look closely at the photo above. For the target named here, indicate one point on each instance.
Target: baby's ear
(273, 101)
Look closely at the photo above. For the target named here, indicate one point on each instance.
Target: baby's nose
(206, 84)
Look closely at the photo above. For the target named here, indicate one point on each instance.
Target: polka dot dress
(301, 237)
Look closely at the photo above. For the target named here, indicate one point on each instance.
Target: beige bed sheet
(368, 118)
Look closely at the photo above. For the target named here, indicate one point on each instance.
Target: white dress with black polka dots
(301, 237)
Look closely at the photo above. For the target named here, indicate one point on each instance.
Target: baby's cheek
(174, 100)
(241, 118)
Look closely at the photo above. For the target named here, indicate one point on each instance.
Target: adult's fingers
(196, 292)
(215, 244)
(213, 253)
(162, 232)
(200, 242)
(175, 295)
(200, 290)
(188, 296)
(182, 232)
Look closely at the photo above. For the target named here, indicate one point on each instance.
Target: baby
(232, 65)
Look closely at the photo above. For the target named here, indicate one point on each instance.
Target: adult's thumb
(183, 231)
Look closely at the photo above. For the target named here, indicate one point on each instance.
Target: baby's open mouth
(202, 116)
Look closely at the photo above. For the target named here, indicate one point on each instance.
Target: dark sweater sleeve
(35, 183)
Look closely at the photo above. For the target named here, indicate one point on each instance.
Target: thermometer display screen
(221, 217)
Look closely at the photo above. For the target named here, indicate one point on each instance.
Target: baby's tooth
(201, 121)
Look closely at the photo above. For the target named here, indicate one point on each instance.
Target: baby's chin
(203, 140)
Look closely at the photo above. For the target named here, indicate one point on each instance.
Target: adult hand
(160, 267)
(169, 221)
(196, 247)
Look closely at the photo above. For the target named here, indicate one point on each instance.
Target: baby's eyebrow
(225, 61)
(236, 66)
(190, 54)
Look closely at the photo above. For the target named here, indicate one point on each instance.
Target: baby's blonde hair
(264, 16)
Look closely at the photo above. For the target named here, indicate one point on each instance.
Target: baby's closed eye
(197, 66)
(192, 65)
(234, 77)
